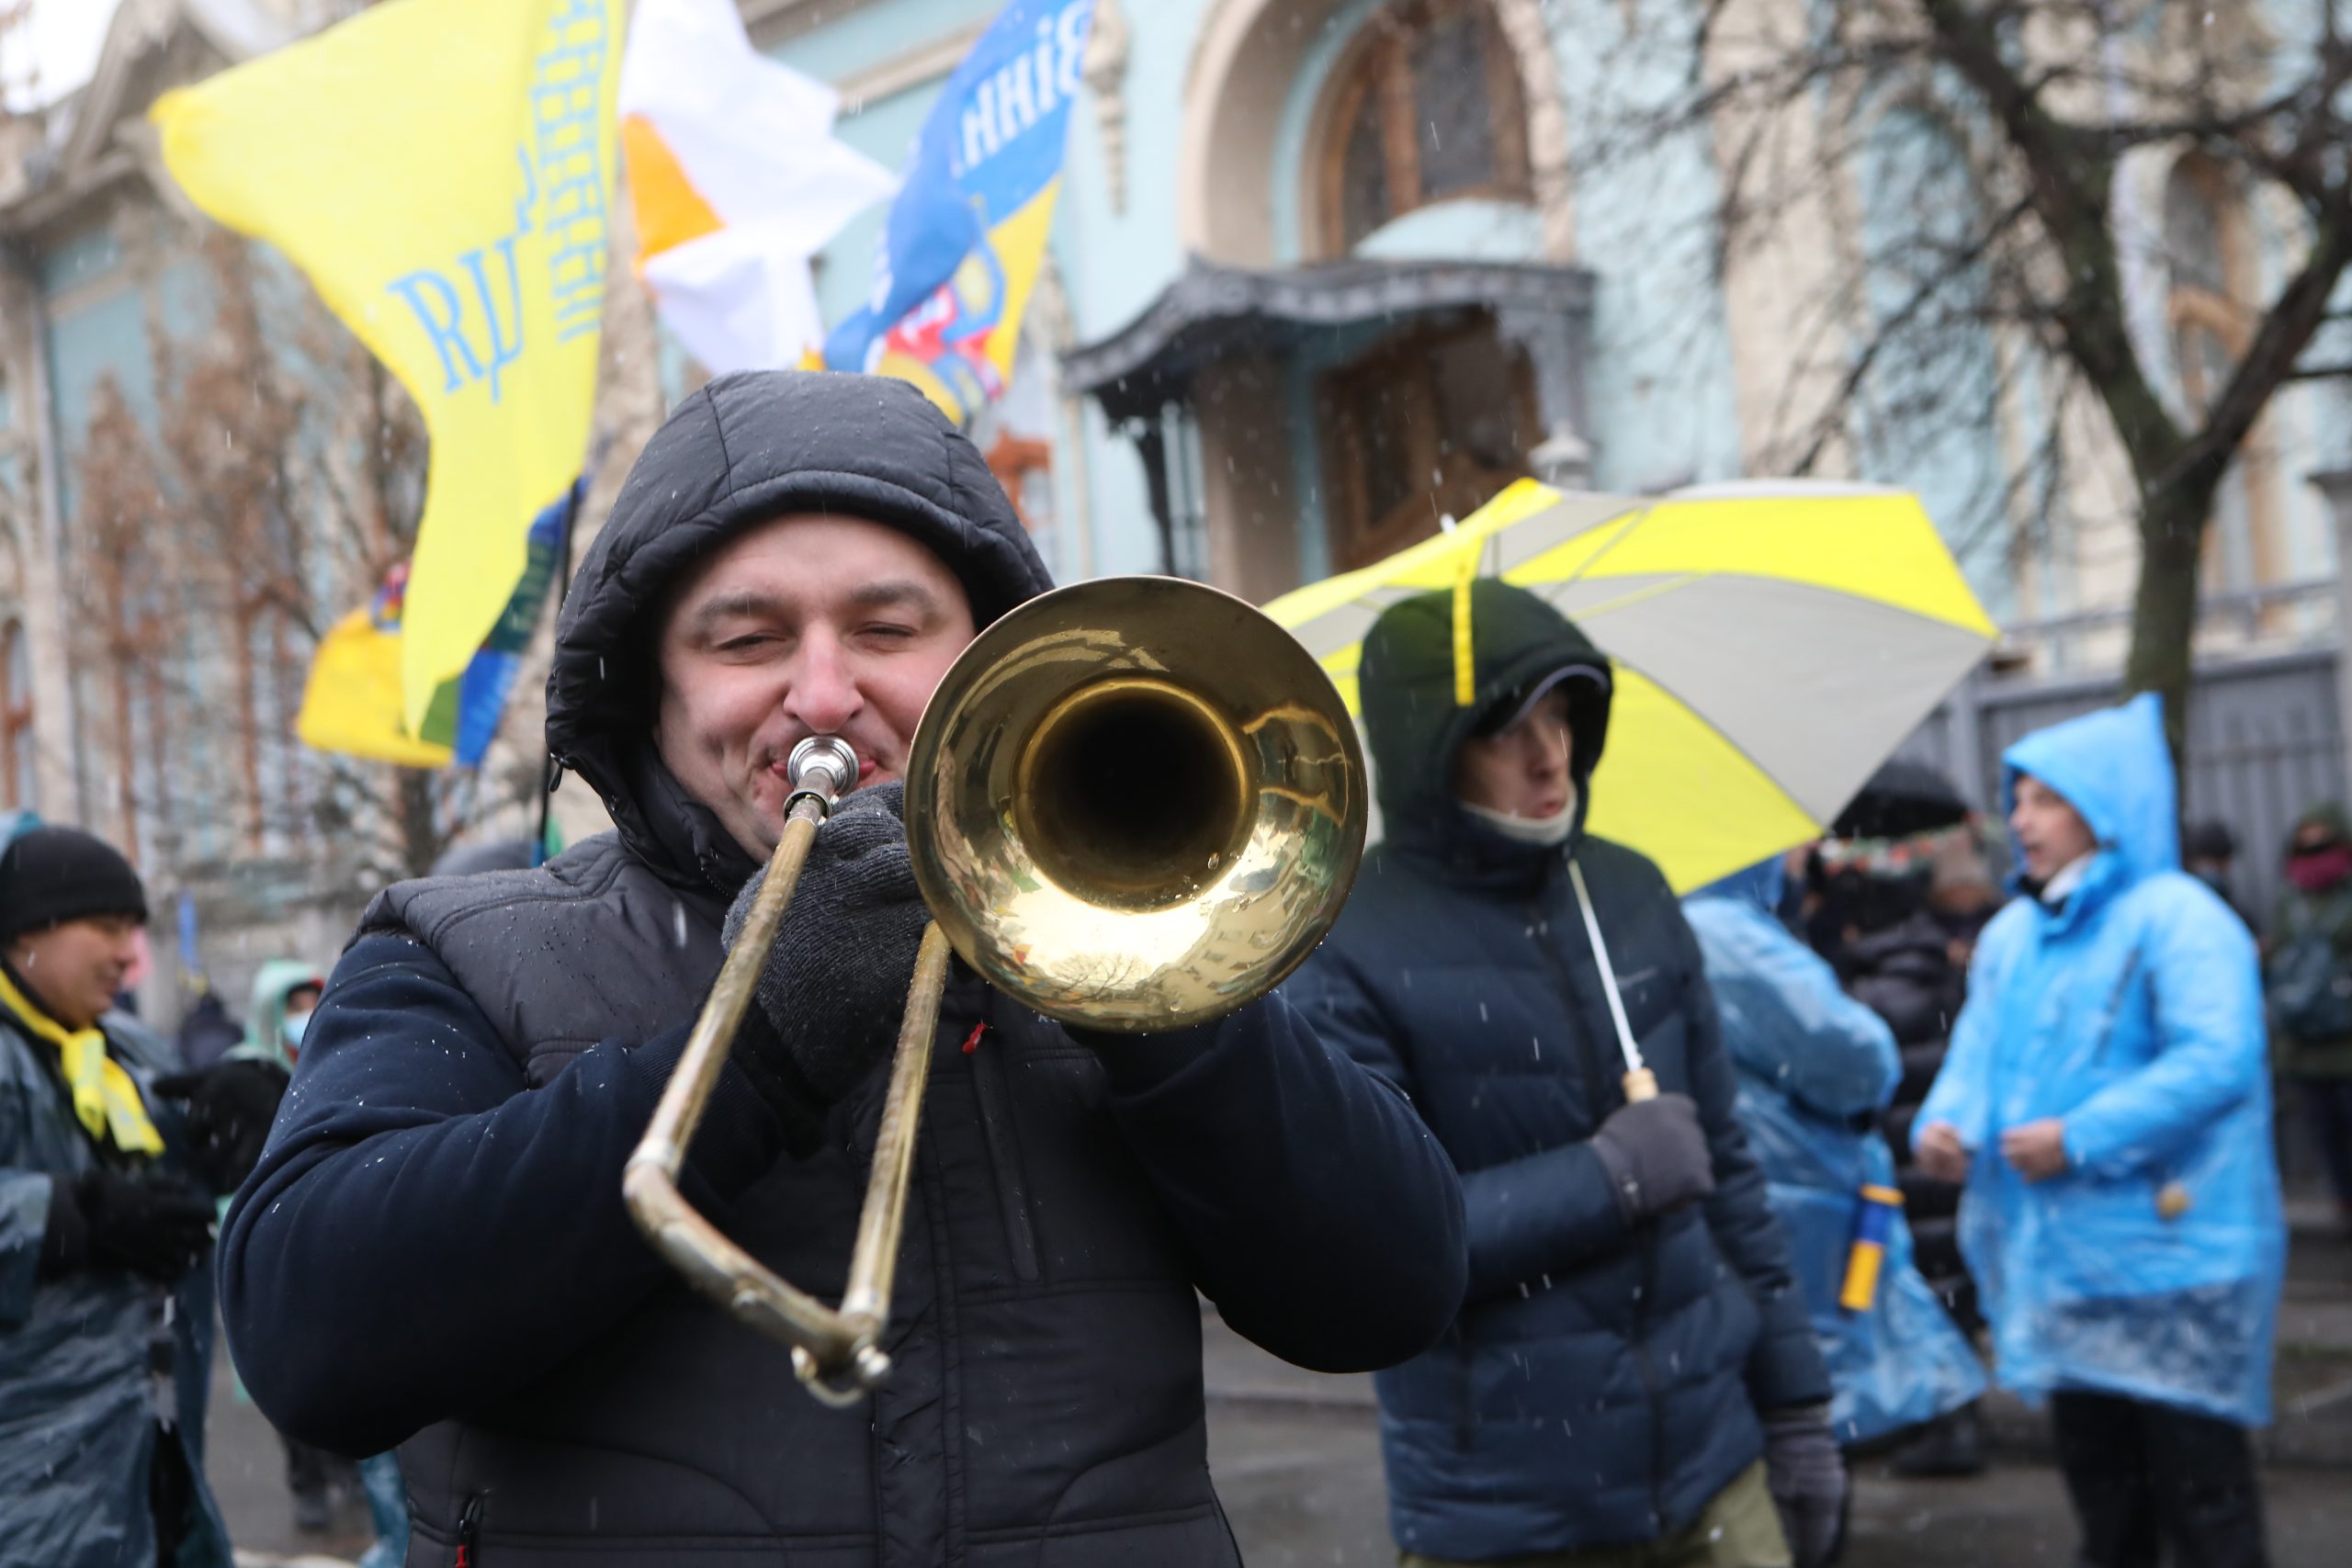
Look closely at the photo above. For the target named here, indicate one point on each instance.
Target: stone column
(2336, 485)
(1554, 343)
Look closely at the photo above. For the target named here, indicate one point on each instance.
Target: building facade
(1324, 272)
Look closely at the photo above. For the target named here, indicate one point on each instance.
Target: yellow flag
(352, 702)
(442, 171)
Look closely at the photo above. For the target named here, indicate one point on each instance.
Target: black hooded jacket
(1603, 1382)
(433, 1251)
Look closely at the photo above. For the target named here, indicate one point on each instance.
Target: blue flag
(966, 236)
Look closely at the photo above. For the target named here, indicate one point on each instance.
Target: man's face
(2313, 836)
(77, 968)
(806, 624)
(1523, 771)
(2052, 833)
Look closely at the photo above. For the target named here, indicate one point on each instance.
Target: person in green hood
(2307, 969)
(1633, 1378)
(285, 991)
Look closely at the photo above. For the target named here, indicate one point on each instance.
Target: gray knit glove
(1655, 1154)
(1806, 1475)
(836, 982)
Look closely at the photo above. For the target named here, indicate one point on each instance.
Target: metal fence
(2264, 744)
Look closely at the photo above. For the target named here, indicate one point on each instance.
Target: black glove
(230, 1108)
(155, 1224)
(1655, 1154)
(66, 1238)
(1806, 1475)
(836, 984)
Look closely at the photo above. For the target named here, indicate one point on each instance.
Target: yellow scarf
(105, 1097)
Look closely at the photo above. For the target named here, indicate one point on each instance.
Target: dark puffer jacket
(1904, 973)
(433, 1251)
(1603, 1380)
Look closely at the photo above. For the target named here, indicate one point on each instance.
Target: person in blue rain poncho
(1816, 1068)
(2107, 1101)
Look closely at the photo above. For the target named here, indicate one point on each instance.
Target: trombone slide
(836, 1352)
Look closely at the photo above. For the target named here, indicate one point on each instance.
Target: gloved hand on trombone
(826, 1011)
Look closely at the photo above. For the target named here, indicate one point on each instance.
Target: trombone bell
(1141, 804)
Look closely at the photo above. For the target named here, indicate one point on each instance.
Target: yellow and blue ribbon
(1873, 1227)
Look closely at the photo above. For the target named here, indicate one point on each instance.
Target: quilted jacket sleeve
(1524, 1217)
(406, 1110)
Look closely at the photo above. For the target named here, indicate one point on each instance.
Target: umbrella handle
(1639, 1082)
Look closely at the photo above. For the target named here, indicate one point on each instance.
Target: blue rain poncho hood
(1815, 1067)
(1761, 886)
(2115, 769)
(2132, 1015)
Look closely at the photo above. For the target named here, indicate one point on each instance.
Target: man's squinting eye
(729, 643)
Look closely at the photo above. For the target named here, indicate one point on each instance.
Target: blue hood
(2114, 767)
(1762, 885)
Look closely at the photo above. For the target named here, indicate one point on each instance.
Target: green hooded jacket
(1415, 724)
(266, 1014)
(1603, 1382)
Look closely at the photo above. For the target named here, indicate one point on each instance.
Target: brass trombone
(1133, 804)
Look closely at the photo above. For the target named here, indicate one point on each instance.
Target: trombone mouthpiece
(822, 765)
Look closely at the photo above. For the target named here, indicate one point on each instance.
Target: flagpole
(551, 774)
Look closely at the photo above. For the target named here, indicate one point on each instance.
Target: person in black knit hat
(50, 875)
(108, 1187)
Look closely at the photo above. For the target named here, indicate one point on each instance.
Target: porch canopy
(1211, 311)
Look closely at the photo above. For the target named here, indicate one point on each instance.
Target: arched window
(16, 771)
(2209, 257)
(1429, 110)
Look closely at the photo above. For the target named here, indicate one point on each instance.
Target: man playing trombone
(433, 1251)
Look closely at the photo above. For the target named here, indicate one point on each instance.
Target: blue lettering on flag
(564, 98)
(477, 331)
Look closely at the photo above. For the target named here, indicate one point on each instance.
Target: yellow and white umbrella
(1773, 643)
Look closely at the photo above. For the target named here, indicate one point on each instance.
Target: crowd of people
(1648, 1212)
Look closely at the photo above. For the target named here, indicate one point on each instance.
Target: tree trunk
(420, 830)
(126, 757)
(159, 753)
(248, 728)
(285, 715)
(2164, 611)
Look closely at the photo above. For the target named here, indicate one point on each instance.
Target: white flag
(735, 180)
